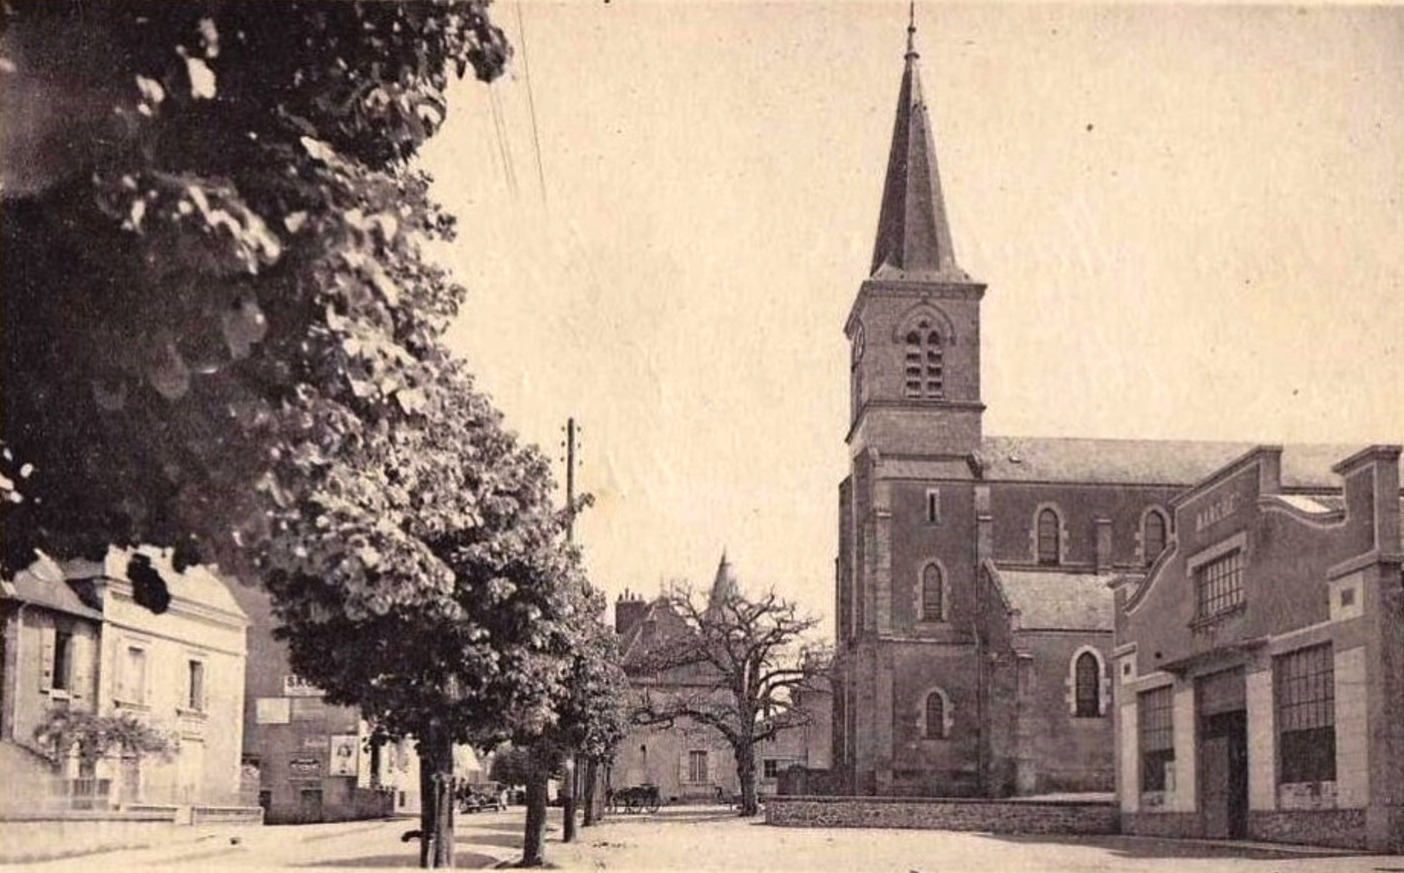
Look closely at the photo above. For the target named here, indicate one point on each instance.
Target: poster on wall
(304, 768)
(344, 754)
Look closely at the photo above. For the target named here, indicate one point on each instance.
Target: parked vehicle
(477, 796)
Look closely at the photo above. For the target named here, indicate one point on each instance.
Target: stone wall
(1338, 828)
(994, 816)
(40, 837)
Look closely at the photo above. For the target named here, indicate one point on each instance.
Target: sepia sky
(1190, 220)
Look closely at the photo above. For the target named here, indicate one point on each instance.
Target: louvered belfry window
(925, 368)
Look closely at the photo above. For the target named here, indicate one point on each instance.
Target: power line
(503, 146)
(531, 103)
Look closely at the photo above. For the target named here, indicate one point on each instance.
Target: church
(975, 617)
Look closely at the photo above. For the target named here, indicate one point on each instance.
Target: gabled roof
(913, 235)
(1059, 601)
(1145, 462)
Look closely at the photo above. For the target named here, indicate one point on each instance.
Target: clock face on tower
(858, 340)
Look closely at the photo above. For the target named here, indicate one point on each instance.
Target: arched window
(925, 371)
(1087, 686)
(935, 716)
(1153, 536)
(933, 600)
(1048, 551)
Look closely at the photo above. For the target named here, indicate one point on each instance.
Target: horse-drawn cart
(635, 798)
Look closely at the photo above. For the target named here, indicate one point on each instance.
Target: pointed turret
(913, 236)
(724, 585)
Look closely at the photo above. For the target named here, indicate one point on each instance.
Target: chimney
(628, 609)
(1104, 544)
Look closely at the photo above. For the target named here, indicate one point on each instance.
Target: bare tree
(736, 668)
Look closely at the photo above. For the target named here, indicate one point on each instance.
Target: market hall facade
(1260, 662)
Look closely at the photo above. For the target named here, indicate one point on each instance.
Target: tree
(591, 717)
(745, 664)
(65, 732)
(212, 262)
(468, 647)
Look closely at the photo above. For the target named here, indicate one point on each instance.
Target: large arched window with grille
(1153, 535)
(925, 368)
(1048, 533)
(1087, 686)
(933, 595)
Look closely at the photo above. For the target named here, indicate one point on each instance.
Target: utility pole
(570, 479)
(571, 787)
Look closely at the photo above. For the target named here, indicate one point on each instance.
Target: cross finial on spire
(911, 28)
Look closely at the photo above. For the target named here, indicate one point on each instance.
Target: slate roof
(1059, 601)
(913, 235)
(45, 586)
(1146, 462)
(659, 623)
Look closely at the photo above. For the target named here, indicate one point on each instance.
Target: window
(1157, 738)
(1048, 525)
(62, 679)
(925, 373)
(1087, 686)
(133, 685)
(1306, 714)
(933, 506)
(1219, 584)
(697, 766)
(770, 768)
(935, 716)
(195, 687)
(933, 601)
(1153, 536)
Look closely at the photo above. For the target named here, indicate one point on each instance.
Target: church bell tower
(915, 326)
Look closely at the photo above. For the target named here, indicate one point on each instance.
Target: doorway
(310, 804)
(1223, 775)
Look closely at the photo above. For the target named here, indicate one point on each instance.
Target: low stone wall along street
(993, 816)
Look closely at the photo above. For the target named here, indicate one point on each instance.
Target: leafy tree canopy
(212, 268)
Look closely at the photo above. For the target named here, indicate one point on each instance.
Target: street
(483, 840)
(705, 839)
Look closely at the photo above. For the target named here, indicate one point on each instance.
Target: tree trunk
(436, 783)
(746, 773)
(534, 840)
(568, 798)
(592, 767)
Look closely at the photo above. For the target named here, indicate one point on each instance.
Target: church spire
(723, 585)
(913, 237)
